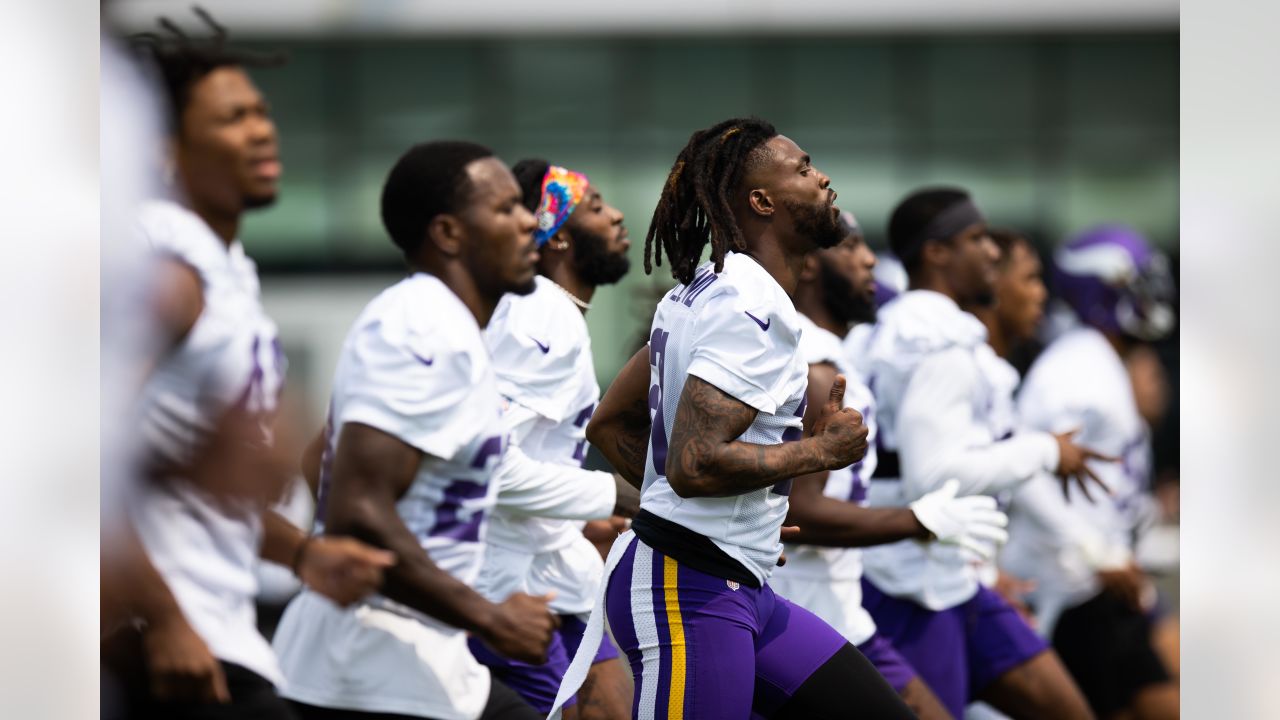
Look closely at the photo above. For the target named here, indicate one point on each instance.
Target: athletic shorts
(701, 646)
(537, 684)
(959, 651)
(1106, 646)
(571, 629)
(895, 668)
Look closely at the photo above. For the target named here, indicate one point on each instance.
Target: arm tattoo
(706, 458)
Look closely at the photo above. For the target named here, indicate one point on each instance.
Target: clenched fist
(840, 430)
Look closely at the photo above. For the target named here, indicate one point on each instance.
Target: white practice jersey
(414, 366)
(812, 571)
(207, 550)
(1078, 382)
(542, 358)
(738, 331)
(937, 402)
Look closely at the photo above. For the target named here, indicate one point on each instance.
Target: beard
(592, 260)
(983, 298)
(845, 303)
(257, 202)
(817, 223)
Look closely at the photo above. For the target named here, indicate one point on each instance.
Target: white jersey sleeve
(409, 386)
(551, 490)
(939, 437)
(745, 362)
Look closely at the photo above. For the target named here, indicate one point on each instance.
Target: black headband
(948, 223)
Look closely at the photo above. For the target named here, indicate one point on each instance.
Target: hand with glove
(972, 523)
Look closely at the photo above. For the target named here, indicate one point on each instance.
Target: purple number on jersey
(658, 436)
(791, 434)
(453, 520)
(858, 488)
(580, 450)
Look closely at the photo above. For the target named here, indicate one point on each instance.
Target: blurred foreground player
(208, 409)
(1092, 599)
(823, 572)
(545, 372)
(414, 438)
(935, 407)
(687, 599)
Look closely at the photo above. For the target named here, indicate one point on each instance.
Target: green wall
(1052, 133)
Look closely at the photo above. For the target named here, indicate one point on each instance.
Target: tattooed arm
(619, 428)
(707, 460)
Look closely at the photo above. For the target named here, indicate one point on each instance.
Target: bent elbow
(595, 432)
(689, 485)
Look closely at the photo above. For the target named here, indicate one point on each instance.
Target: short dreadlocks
(182, 60)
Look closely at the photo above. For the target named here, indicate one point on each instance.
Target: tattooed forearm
(620, 426)
(629, 452)
(706, 459)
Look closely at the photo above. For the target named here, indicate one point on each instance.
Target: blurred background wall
(1055, 117)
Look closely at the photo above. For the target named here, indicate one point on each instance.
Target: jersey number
(658, 436)
(453, 519)
(791, 434)
(580, 450)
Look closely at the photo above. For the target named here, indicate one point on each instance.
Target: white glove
(972, 522)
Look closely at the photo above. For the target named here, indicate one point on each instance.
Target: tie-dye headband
(562, 190)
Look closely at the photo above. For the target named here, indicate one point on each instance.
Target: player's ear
(560, 242)
(760, 202)
(446, 233)
(935, 252)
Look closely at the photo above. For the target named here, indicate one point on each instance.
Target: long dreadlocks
(694, 208)
(182, 60)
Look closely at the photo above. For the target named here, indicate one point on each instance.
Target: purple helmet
(1116, 282)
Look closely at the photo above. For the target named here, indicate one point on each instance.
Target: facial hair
(845, 304)
(593, 261)
(817, 223)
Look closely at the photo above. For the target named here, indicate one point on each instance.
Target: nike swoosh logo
(764, 324)
(421, 359)
(544, 348)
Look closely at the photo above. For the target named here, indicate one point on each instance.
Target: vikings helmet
(1116, 282)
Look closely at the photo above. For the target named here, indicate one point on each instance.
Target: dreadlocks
(183, 60)
(694, 207)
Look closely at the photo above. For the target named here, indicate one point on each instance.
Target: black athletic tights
(846, 686)
(504, 704)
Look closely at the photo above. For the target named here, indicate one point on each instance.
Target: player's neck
(784, 268)
(809, 303)
(997, 338)
(1118, 343)
(223, 224)
(559, 270)
(935, 282)
(461, 282)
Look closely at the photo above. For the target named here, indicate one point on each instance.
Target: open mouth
(269, 168)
